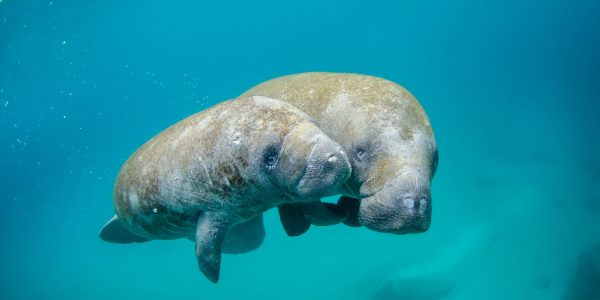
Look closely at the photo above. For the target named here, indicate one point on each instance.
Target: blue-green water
(512, 89)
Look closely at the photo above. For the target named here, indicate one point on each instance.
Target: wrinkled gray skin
(388, 139)
(221, 169)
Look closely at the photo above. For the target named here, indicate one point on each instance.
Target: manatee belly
(166, 205)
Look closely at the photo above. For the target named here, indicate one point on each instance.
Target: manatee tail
(114, 231)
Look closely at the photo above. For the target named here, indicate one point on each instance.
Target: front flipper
(115, 231)
(292, 218)
(210, 234)
(350, 206)
(244, 237)
(297, 217)
(323, 213)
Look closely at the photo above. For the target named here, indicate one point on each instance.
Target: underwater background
(512, 89)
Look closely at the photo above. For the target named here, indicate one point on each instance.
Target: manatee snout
(402, 206)
(311, 165)
(327, 168)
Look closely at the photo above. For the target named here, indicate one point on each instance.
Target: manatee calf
(388, 139)
(221, 169)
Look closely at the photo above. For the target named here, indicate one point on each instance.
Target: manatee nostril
(410, 203)
(423, 203)
(415, 204)
(331, 157)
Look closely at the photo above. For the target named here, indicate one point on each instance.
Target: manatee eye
(270, 157)
(360, 153)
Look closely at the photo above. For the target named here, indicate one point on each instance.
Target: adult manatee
(388, 139)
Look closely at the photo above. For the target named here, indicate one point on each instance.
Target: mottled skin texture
(388, 139)
(196, 165)
(223, 167)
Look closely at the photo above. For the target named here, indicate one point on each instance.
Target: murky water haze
(511, 88)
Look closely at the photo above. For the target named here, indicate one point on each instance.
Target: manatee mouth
(401, 207)
(401, 218)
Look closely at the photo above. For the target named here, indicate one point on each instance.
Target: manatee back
(340, 102)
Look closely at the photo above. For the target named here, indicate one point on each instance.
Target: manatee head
(392, 172)
(307, 165)
(402, 206)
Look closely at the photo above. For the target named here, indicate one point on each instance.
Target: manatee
(585, 283)
(220, 169)
(388, 139)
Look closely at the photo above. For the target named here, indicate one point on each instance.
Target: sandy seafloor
(511, 88)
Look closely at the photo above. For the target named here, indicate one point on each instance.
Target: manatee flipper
(114, 231)
(244, 237)
(323, 213)
(297, 217)
(350, 206)
(292, 218)
(210, 234)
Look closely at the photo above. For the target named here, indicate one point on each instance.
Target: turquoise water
(511, 88)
